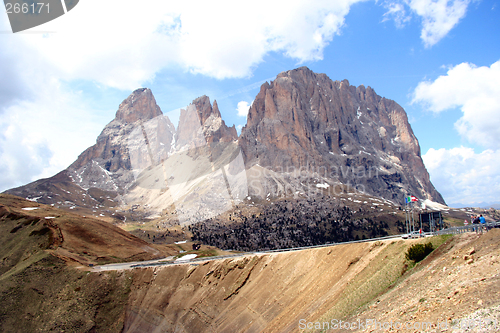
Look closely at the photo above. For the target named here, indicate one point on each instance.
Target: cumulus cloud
(243, 108)
(438, 16)
(12, 88)
(126, 44)
(397, 12)
(462, 175)
(476, 91)
(12, 85)
(42, 137)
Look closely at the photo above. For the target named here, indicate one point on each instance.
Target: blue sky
(62, 81)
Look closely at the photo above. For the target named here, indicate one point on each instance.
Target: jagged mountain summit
(142, 166)
(305, 135)
(304, 122)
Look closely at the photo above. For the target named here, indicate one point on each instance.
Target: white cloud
(438, 16)
(124, 45)
(44, 136)
(476, 90)
(461, 175)
(243, 108)
(397, 12)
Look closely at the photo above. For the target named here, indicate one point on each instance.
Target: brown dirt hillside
(40, 290)
(457, 285)
(274, 292)
(49, 296)
(29, 229)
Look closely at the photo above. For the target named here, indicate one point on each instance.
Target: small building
(434, 219)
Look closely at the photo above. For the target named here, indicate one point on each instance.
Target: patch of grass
(417, 252)
(440, 239)
(382, 273)
(454, 222)
(180, 247)
(206, 253)
(23, 264)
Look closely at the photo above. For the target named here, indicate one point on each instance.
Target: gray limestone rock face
(139, 136)
(141, 161)
(303, 122)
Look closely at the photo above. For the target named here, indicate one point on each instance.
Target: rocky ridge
(132, 147)
(305, 135)
(303, 121)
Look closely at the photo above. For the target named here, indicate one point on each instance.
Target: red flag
(414, 198)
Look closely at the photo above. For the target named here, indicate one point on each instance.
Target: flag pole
(412, 217)
(420, 218)
(406, 214)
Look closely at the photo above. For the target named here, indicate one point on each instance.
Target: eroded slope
(273, 292)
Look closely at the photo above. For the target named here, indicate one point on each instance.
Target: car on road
(413, 234)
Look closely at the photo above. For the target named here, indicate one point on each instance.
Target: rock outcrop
(303, 122)
(140, 105)
(201, 124)
(140, 156)
(103, 171)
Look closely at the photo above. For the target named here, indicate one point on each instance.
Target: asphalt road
(179, 261)
(188, 260)
(128, 265)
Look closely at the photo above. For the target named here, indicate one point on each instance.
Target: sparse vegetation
(417, 252)
(376, 278)
(206, 253)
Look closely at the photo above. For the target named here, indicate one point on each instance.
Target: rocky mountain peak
(304, 132)
(201, 123)
(141, 104)
(108, 164)
(205, 109)
(306, 120)
(299, 74)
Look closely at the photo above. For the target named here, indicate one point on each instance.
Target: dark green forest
(289, 223)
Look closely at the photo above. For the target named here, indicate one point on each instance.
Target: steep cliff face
(139, 106)
(138, 131)
(202, 175)
(201, 124)
(138, 136)
(305, 134)
(142, 165)
(305, 122)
